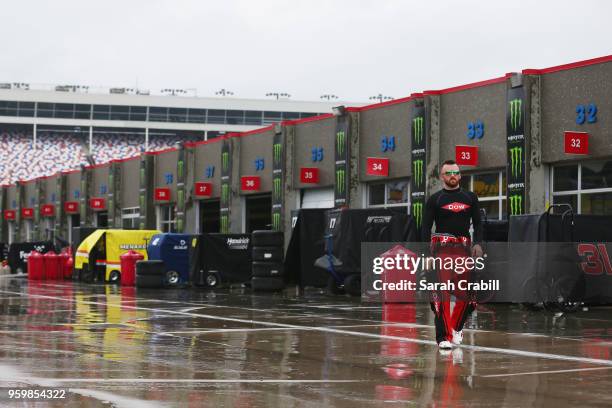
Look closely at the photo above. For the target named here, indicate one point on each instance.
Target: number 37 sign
(466, 155)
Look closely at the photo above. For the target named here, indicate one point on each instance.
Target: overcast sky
(353, 49)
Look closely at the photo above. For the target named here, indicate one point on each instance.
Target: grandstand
(45, 129)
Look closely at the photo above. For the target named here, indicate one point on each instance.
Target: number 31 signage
(466, 155)
(576, 143)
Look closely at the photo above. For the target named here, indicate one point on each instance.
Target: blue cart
(173, 249)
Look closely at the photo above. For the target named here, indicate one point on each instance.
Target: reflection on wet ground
(124, 347)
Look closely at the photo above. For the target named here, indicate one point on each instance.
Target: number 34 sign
(466, 155)
(576, 143)
(377, 166)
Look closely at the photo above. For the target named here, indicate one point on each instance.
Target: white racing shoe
(445, 345)
(457, 337)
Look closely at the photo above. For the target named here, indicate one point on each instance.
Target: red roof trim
(381, 104)
(253, 132)
(71, 171)
(309, 119)
(467, 86)
(158, 152)
(98, 166)
(572, 65)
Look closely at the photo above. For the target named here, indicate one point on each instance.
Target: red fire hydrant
(128, 267)
(35, 266)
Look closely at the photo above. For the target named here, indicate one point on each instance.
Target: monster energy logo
(142, 175)
(516, 204)
(417, 172)
(276, 221)
(417, 129)
(417, 213)
(340, 140)
(225, 160)
(516, 161)
(224, 192)
(180, 169)
(277, 188)
(277, 152)
(340, 180)
(515, 113)
(224, 224)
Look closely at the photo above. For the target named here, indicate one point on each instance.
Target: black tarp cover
(350, 227)
(307, 243)
(561, 257)
(19, 252)
(228, 254)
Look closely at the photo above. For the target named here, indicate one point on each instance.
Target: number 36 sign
(466, 155)
(576, 143)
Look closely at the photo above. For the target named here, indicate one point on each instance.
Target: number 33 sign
(466, 155)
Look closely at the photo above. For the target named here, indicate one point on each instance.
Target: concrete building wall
(314, 135)
(130, 183)
(254, 147)
(385, 122)
(165, 165)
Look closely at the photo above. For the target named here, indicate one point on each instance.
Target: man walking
(451, 209)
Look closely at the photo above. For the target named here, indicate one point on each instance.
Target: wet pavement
(124, 347)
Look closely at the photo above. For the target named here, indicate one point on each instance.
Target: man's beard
(452, 183)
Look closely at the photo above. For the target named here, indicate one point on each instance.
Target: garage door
(318, 198)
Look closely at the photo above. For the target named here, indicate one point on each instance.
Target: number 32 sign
(576, 143)
(466, 155)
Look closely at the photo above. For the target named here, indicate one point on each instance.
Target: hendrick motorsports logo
(516, 161)
(516, 204)
(340, 140)
(340, 180)
(132, 246)
(379, 219)
(417, 213)
(238, 243)
(417, 129)
(278, 150)
(225, 160)
(515, 113)
(417, 172)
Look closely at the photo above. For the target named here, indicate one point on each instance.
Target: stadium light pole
(381, 98)
(173, 91)
(278, 95)
(329, 97)
(224, 92)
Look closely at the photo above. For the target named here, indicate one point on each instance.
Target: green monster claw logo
(340, 140)
(224, 224)
(142, 175)
(224, 192)
(181, 198)
(225, 160)
(179, 170)
(417, 129)
(516, 161)
(515, 113)
(417, 213)
(276, 221)
(277, 152)
(340, 180)
(277, 188)
(417, 172)
(516, 204)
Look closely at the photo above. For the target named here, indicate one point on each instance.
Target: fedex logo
(456, 207)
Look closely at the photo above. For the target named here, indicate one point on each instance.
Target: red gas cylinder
(128, 267)
(35, 266)
(63, 257)
(68, 267)
(51, 266)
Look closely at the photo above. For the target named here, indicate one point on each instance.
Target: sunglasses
(452, 173)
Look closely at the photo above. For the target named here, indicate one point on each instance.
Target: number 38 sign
(576, 143)
(466, 155)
